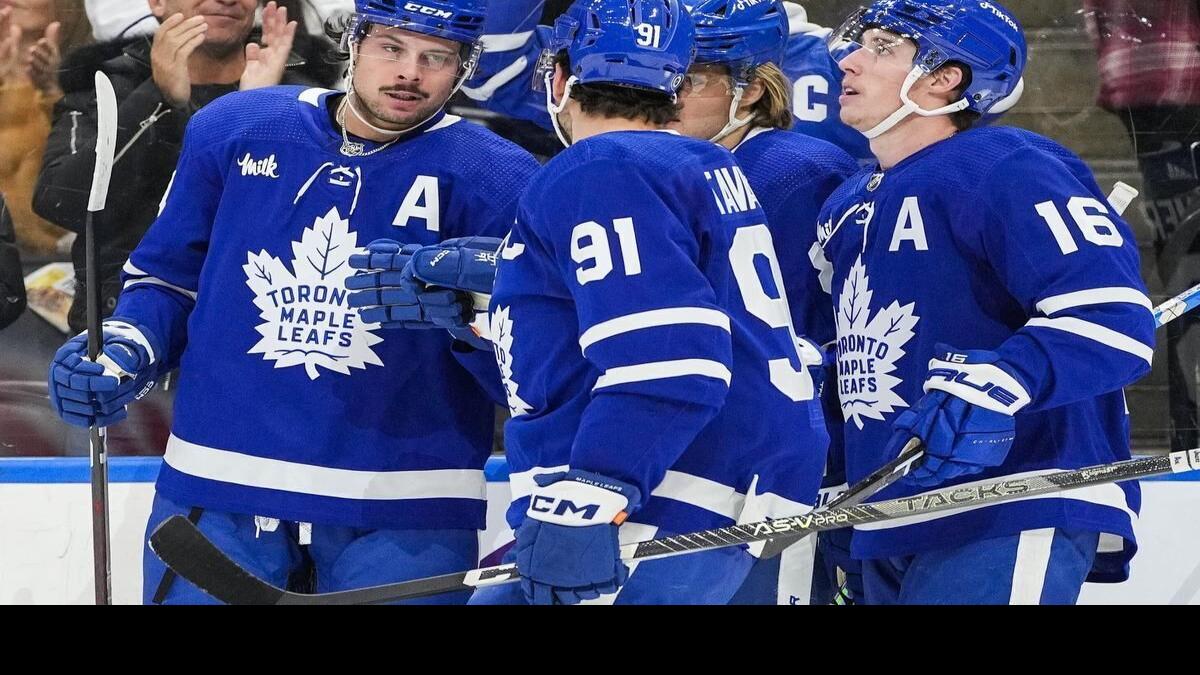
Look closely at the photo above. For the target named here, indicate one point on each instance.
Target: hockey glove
(965, 417)
(86, 393)
(394, 298)
(567, 548)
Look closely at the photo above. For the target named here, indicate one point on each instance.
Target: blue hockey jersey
(642, 332)
(288, 405)
(793, 174)
(512, 45)
(994, 239)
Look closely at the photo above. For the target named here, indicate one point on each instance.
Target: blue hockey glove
(86, 393)
(965, 417)
(468, 265)
(567, 548)
(389, 295)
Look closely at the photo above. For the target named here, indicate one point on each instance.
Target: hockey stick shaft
(181, 545)
(106, 136)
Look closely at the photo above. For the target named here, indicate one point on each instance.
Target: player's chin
(855, 121)
(405, 118)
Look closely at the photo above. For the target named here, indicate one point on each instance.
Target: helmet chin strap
(555, 108)
(910, 107)
(734, 122)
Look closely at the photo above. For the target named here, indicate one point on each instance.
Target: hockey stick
(1120, 198)
(106, 140)
(896, 469)
(185, 549)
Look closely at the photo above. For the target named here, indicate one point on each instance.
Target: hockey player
(511, 50)
(640, 324)
(987, 301)
(291, 440)
(737, 95)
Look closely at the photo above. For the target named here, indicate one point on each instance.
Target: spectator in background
(12, 280)
(118, 19)
(198, 53)
(32, 35)
(1149, 64)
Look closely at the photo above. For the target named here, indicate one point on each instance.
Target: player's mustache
(407, 89)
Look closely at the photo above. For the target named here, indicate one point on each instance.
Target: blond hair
(774, 108)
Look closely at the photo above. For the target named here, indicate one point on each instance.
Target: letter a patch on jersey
(868, 349)
(307, 319)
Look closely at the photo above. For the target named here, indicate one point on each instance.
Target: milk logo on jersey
(501, 329)
(266, 167)
(868, 348)
(307, 320)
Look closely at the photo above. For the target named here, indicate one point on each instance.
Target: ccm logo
(563, 507)
(428, 11)
(994, 391)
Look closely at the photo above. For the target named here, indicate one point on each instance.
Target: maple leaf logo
(307, 320)
(868, 349)
(501, 329)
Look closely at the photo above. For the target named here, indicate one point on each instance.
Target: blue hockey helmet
(646, 44)
(458, 20)
(742, 34)
(979, 34)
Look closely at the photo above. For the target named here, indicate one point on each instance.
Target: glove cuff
(978, 378)
(580, 499)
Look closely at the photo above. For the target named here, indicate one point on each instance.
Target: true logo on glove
(1003, 396)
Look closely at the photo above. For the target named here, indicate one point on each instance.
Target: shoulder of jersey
(641, 152)
(803, 149)
(808, 50)
(983, 148)
(479, 155)
(242, 110)
(659, 156)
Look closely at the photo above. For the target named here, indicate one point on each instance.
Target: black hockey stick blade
(185, 549)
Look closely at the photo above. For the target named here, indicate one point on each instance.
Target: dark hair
(614, 100)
